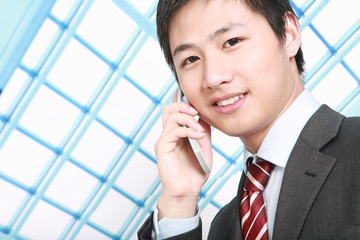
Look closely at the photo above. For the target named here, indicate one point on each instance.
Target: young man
(239, 64)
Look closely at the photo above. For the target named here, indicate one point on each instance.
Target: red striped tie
(253, 215)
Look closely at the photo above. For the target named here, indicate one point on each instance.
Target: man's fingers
(175, 108)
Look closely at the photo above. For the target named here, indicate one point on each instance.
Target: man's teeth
(229, 101)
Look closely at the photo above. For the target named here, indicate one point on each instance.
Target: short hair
(274, 12)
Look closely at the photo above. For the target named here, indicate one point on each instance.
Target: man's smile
(229, 101)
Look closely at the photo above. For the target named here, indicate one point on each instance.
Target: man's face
(231, 66)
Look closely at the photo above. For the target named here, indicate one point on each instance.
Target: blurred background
(83, 83)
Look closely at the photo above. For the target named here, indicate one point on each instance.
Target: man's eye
(191, 60)
(231, 42)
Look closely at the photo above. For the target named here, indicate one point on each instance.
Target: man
(239, 64)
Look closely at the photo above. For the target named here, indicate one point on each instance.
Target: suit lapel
(305, 173)
(302, 181)
(237, 233)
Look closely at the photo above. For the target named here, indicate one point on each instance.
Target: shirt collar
(281, 138)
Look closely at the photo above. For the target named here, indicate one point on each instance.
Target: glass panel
(97, 148)
(49, 116)
(106, 27)
(61, 8)
(329, 25)
(71, 187)
(10, 201)
(141, 5)
(138, 168)
(13, 90)
(40, 44)
(90, 233)
(329, 90)
(152, 77)
(45, 222)
(125, 102)
(78, 72)
(19, 154)
(112, 211)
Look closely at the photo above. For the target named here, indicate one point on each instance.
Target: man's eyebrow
(183, 47)
(221, 30)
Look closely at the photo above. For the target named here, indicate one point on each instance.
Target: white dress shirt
(275, 148)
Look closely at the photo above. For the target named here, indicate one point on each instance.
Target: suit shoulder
(350, 129)
(352, 123)
(345, 146)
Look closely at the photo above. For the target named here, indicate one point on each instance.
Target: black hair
(274, 11)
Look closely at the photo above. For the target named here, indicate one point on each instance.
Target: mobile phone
(194, 143)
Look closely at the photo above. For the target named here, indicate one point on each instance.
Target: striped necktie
(252, 209)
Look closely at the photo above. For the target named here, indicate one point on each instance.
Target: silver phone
(194, 143)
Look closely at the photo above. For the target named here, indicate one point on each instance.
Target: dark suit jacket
(320, 192)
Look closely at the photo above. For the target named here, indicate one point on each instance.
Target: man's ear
(293, 35)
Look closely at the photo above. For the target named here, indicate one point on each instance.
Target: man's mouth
(229, 101)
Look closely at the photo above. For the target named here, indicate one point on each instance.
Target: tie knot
(257, 176)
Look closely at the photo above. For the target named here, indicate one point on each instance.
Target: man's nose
(217, 71)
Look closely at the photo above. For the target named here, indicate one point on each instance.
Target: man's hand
(181, 175)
